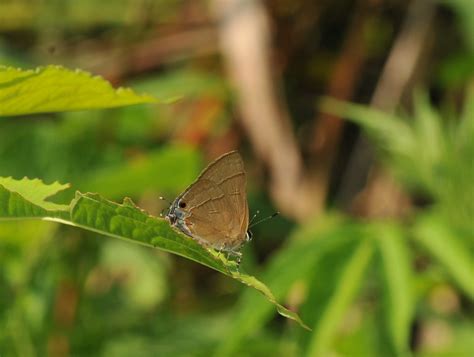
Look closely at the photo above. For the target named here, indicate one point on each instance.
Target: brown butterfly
(213, 210)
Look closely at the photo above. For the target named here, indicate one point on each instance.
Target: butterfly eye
(182, 204)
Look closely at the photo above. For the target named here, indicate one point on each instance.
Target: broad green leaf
(453, 249)
(36, 191)
(347, 287)
(293, 263)
(56, 89)
(124, 221)
(90, 211)
(397, 274)
(27, 199)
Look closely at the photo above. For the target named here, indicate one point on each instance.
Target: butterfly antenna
(164, 199)
(265, 219)
(164, 209)
(254, 216)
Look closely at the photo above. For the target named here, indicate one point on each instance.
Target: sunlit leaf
(124, 221)
(27, 198)
(127, 221)
(54, 89)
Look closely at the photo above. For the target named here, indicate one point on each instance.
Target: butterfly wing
(228, 173)
(207, 213)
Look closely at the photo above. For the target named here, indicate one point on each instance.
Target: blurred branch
(328, 128)
(245, 40)
(405, 55)
(342, 83)
(382, 195)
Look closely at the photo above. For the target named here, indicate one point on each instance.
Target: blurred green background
(374, 246)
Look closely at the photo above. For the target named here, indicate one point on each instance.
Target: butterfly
(213, 210)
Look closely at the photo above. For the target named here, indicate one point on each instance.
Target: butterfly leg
(233, 256)
(219, 252)
(239, 258)
(237, 255)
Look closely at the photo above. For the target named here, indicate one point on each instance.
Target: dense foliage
(383, 268)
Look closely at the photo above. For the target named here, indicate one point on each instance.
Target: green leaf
(127, 221)
(433, 156)
(55, 89)
(391, 133)
(262, 288)
(293, 263)
(346, 289)
(452, 248)
(124, 221)
(92, 212)
(397, 273)
(27, 198)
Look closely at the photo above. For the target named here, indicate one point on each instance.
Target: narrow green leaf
(55, 89)
(453, 249)
(431, 142)
(124, 221)
(397, 273)
(391, 133)
(293, 263)
(347, 288)
(262, 288)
